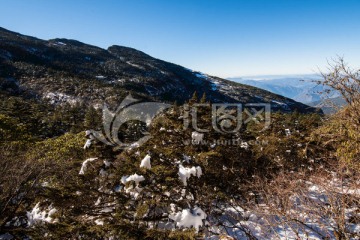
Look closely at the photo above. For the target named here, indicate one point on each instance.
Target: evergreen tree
(92, 119)
(203, 98)
(194, 98)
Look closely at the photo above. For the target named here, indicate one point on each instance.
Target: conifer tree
(194, 98)
(203, 98)
(92, 118)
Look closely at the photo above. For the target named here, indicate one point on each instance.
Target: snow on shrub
(197, 137)
(38, 216)
(136, 178)
(189, 218)
(287, 132)
(134, 191)
(87, 144)
(84, 165)
(88, 141)
(185, 173)
(145, 163)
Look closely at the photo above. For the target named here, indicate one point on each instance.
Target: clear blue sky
(220, 37)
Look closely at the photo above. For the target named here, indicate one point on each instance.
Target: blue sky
(221, 37)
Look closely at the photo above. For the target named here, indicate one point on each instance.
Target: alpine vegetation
(94, 146)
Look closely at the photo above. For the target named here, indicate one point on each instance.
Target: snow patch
(197, 137)
(201, 75)
(132, 190)
(185, 173)
(37, 216)
(61, 43)
(135, 65)
(84, 165)
(287, 132)
(87, 143)
(189, 218)
(145, 163)
(99, 222)
(60, 98)
(136, 178)
(244, 145)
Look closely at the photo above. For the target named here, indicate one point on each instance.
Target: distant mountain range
(301, 88)
(63, 70)
(330, 105)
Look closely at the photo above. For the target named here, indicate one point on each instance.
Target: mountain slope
(64, 70)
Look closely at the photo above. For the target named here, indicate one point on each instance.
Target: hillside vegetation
(296, 179)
